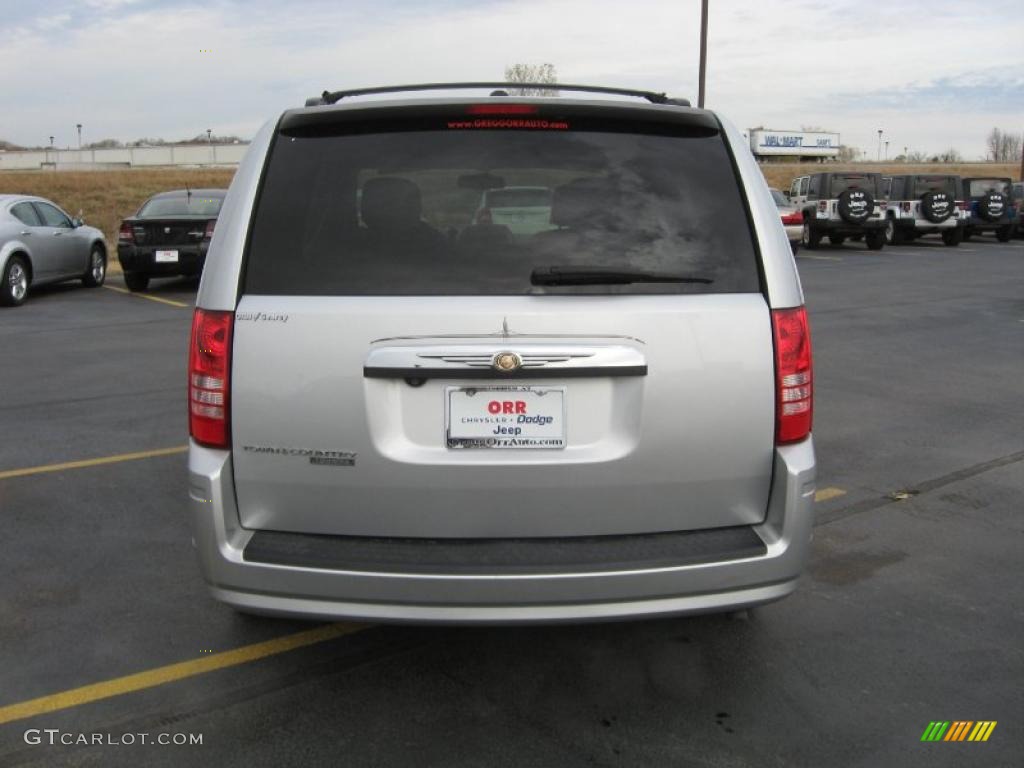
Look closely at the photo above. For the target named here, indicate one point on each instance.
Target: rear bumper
(841, 227)
(978, 224)
(924, 226)
(532, 593)
(141, 259)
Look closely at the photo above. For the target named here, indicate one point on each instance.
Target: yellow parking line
(829, 493)
(148, 296)
(91, 462)
(172, 672)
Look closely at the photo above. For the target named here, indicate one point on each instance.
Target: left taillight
(209, 367)
(210, 225)
(796, 217)
(794, 388)
(126, 234)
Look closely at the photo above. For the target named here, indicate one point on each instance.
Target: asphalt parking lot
(910, 611)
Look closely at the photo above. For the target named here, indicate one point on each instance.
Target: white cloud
(127, 70)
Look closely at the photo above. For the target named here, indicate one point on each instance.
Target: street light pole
(887, 149)
(79, 127)
(703, 52)
(879, 144)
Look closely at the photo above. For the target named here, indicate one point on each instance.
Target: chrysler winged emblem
(506, 362)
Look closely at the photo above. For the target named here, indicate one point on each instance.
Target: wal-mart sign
(764, 142)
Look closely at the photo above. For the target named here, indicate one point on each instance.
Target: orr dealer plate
(505, 417)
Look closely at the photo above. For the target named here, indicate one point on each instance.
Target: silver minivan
(399, 412)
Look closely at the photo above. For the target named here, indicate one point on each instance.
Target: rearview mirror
(76, 222)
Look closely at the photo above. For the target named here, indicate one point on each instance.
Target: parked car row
(40, 243)
(897, 209)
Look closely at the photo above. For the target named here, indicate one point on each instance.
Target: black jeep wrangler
(991, 207)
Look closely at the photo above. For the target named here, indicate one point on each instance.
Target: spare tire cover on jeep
(992, 206)
(937, 206)
(856, 205)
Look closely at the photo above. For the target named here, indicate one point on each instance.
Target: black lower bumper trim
(504, 556)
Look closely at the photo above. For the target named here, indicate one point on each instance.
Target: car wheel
(795, 245)
(97, 271)
(875, 240)
(809, 239)
(953, 236)
(14, 284)
(966, 234)
(1003, 234)
(136, 281)
(892, 235)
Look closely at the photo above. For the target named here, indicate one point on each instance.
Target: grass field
(105, 197)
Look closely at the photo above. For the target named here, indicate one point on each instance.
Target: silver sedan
(40, 243)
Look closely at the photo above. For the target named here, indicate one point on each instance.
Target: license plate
(505, 417)
(165, 256)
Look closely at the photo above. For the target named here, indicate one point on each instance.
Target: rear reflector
(793, 378)
(209, 366)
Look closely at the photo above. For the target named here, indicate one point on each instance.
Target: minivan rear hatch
(401, 368)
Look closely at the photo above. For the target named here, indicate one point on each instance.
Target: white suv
(392, 420)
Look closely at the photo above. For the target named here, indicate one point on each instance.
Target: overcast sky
(932, 75)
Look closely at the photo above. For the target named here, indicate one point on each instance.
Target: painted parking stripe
(148, 296)
(173, 672)
(6, 473)
(829, 493)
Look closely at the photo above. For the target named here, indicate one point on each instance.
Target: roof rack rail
(332, 97)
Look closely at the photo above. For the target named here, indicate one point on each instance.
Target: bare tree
(916, 156)
(532, 73)
(1003, 146)
(848, 154)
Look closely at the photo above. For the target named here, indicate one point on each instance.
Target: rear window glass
(779, 198)
(519, 198)
(925, 184)
(196, 205)
(396, 211)
(979, 187)
(860, 181)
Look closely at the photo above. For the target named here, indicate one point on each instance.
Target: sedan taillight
(794, 388)
(209, 365)
(793, 218)
(125, 234)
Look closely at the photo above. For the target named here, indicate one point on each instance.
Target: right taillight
(793, 384)
(125, 234)
(209, 365)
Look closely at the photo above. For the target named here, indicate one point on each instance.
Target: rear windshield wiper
(606, 276)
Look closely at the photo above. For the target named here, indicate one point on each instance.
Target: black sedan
(169, 236)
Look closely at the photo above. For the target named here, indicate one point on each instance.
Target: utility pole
(79, 127)
(879, 144)
(703, 51)
(887, 149)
